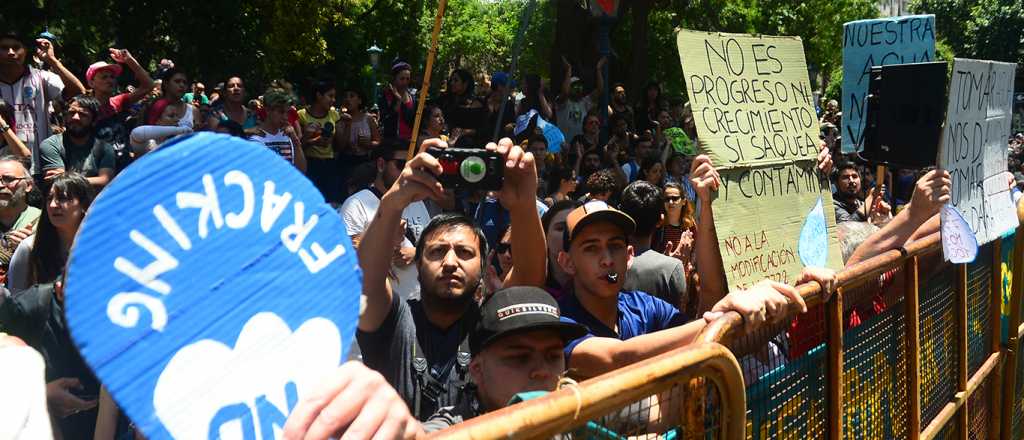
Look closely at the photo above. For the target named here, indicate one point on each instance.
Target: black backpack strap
(425, 383)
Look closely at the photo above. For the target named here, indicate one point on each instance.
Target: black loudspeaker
(906, 106)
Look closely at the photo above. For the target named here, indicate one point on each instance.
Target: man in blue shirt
(630, 326)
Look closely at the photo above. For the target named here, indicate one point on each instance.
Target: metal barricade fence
(646, 400)
(908, 347)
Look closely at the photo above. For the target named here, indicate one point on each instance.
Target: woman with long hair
(231, 107)
(558, 283)
(41, 257)
(397, 105)
(679, 221)
(561, 185)
(173, 86)
(463, 111)
(647, 109)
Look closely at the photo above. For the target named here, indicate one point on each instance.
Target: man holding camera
(421, 345)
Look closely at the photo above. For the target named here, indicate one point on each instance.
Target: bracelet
(4, 127)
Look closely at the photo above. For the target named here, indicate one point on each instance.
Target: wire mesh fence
(874, 369)
(979, 311)
(785, 379)
(787, 370)
(666, 415)
(937, 342)
(1017, 401)
(979, 410)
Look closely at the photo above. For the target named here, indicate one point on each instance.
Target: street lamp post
(606, 13)
(374, 53)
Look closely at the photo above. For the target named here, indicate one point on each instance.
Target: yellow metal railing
(925, 361)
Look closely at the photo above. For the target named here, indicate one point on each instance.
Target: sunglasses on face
(673, 199)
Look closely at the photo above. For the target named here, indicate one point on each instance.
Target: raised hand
(44, 50)
(704, 177)
(418, 180)
(520, 186)
(824, 159)
(120, 55)
(930, 193)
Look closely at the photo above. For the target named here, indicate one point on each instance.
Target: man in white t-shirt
(360, 208)
(572, 105)
(29, 91)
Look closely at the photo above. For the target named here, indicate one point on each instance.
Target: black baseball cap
(519, 309)
(14, 35)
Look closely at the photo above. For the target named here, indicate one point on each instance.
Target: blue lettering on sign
(878, 42)
(268, 414)
(211, 274)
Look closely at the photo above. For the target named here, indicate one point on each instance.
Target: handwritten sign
(973, 146)
(879, 42)
(753, 108)
(210, 288)
(958, 242)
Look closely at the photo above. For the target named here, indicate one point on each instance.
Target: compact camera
(470, 168)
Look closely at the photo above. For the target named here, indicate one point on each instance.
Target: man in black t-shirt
(420, 345)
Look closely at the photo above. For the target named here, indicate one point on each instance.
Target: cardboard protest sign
(973, 146)
(878, 42)
(752, 105)
(210, 288)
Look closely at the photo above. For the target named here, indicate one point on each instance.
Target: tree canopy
(304, 39)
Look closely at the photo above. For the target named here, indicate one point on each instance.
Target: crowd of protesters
(592, 256)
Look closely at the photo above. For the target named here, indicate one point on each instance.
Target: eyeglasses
(673, 199)
(502, 248)
(11, 180)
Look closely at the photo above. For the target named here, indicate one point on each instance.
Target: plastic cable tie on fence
(566, 382)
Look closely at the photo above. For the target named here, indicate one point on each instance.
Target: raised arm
(72, 86)
(563, 93)
(705, 179)
(145, 81)
(599, 80)
(17, 147)
(417, 182)
(930, 193)
(519, 195)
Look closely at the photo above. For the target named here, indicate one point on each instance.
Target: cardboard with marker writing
(754, 113)
(877, 42)
(973, 148)
(210, 288)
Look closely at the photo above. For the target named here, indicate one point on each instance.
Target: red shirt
(113, 106)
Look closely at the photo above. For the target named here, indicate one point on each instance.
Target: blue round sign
(210, 288)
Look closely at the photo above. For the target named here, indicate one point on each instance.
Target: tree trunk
(638, 71)
(572, 37)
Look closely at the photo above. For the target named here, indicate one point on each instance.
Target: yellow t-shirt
(319, 128)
